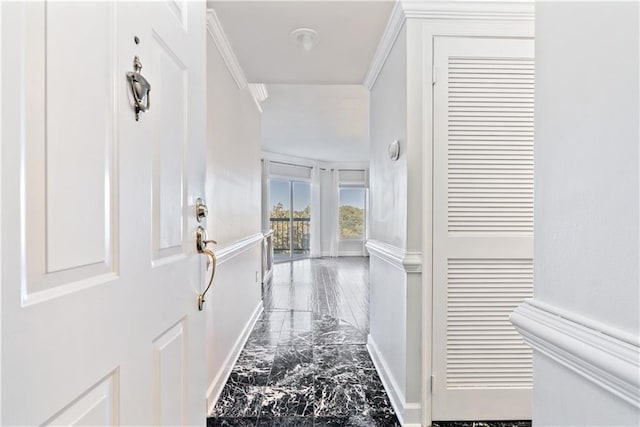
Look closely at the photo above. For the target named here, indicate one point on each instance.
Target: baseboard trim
(327, 254)
(409, 262)
(408, 413)
(352, 253)
(227, 252)
(606, 357)
(216, 386)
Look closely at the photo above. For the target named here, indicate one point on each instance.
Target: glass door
(290, 218)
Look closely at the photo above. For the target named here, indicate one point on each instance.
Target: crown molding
(607, 357)
(259, 94)
(389, 36)
(215, 30)
(442, 10)
(409, 262)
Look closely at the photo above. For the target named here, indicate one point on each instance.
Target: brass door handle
(201, 246)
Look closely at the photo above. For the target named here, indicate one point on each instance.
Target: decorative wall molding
(409, 262)
(442, 10)
(259, 94)
(227, 252)
(408, 413)
(216, 386)
(604, 356)
(389, 36)
(215, 30)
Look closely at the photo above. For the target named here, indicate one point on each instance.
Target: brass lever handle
(212, 258)
(201, 246)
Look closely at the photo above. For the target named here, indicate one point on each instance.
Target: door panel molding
(68, 151)
(97, 406)
(482, 226)
(169, 76)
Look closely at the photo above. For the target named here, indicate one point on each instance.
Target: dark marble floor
(305, 363)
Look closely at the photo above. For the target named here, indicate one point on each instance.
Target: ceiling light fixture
(305, 37)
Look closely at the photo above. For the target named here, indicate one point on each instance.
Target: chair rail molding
(442, 11)
(605, 356)
(409, 262)
(215, 30)
(226, 252)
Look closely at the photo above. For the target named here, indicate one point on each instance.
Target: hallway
(305, 362)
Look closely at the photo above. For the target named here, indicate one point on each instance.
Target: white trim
(412, 262)
(409, 262)
(388, 39)
(421, 55)
(259, 94)
(216, 386)
(215, 30)
(259, 91)
(442, 10)
(352, 253)
(470, 10)
(606, 357)
(227, 252)
(408, 413)
(307, 162)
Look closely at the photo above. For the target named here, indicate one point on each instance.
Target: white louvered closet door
(483, 226)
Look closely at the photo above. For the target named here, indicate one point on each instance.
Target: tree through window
(351, 215)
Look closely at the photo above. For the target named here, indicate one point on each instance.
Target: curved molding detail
(227, 252)
(442, 10)
(409, 262)
(606, 357)
(215, 30)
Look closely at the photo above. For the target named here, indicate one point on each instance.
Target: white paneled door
(100, 323)
(483, 226)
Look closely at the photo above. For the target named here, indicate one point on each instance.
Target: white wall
(388, 122)
(586, 191)
(234, 200)
(394, 340)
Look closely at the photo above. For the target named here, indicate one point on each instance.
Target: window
(351, 215)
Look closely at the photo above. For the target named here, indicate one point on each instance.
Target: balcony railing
(282, 227)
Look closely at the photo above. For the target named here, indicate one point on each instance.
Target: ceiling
(320, 122)
(348, 34)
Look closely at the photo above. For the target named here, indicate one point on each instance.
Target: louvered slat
(483, 349)
(490, 151)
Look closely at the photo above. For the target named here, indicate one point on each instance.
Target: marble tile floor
(301, 368)
(338, 287)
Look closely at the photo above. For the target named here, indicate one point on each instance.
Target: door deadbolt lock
(201, 210)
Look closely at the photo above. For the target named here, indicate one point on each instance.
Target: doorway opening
(290, 218)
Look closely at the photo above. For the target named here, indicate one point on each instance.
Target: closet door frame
(421, 33)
